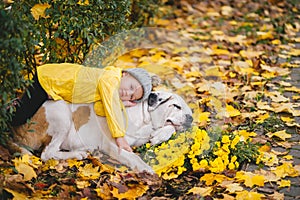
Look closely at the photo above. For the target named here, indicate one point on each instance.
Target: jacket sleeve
(108, 86)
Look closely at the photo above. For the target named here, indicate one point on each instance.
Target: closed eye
(177, 106)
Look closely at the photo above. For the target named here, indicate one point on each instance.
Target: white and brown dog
(66, 131)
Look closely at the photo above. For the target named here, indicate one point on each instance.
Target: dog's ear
(146, 115)
(156, 81)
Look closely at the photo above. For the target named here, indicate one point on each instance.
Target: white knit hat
(143, 77)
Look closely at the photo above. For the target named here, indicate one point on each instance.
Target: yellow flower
(196, 166)
(225, 139)
(237, 164)
(217, 165)
(203, 163)
(231, 166)
(225, 148)
(234, 142)
(233, 158)
(148, 145)
(180, 170)
(225, 159)
(196, 146)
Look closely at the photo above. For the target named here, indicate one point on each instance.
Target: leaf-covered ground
(237, 65)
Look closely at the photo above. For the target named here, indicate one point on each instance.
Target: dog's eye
(177, 106)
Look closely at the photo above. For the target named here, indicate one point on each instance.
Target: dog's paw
(80, 154)
(61, 155)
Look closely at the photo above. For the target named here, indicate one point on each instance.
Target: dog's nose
(152, 99)
(187, 122)
(189, 118)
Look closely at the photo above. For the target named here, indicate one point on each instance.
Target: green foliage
(65, 31)
(14, 57)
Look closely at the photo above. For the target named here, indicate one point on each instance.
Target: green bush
(46, 31)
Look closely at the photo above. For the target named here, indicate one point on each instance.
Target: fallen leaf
(286, 169)
(283, 135)
(245, 195)
(231, 111)
(132, 193)
(284, 183)
(89, 172)
(16, 195)
(250, 179)
(277, 196)
(234, 187)
(203, 191)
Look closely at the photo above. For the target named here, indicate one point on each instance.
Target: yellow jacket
(78, 84)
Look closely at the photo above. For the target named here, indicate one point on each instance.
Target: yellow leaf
(220, 52)
(213, 71)
(131, 193)
(276, 41)
(243, 67)
(262, 118)
(270, 159)
(233, 187)
(26, 170)
(245, 135)
(82, 184)
(250, 54)
(275, 70)
(17, 195)
(284, 183)
(160, 70)
(231, 111)
(23, 167)
(38, 10)
(286, 119)
(250, 179)
(202, 191)
(74, 162)
(169, 176)
(241, 39)
(226, 10)
(263, 106)
(286, 169)
(211, 177)
(268, 75)
(245, 195)
(269, 176)
(280, 134)
(288, 157)
(35, 162)
(286, 107)
(193, 74)
(89, 172)
(293, 89)
(264, 35)
(50, 164)
(294, 52)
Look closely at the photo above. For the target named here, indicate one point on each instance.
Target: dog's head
(167, 108)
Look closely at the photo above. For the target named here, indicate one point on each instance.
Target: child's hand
(123, 144)
(129, 103)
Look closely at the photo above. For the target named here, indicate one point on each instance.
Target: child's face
(130, 89)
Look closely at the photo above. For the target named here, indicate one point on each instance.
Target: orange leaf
(38, 10)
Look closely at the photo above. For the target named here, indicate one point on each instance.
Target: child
(74, 83)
